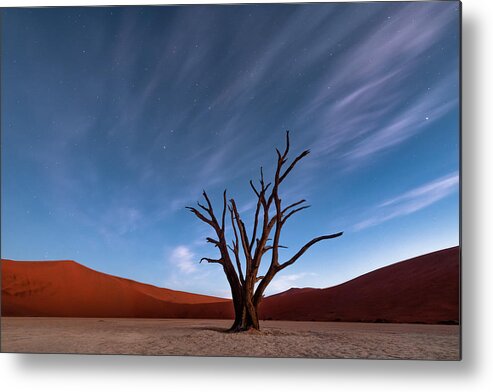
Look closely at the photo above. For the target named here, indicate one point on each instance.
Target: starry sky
(115, 118)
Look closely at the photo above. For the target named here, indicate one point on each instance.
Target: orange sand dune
(420, 290)
(68, 289)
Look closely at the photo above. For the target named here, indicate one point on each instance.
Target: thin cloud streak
(362, 108)
(412, 201)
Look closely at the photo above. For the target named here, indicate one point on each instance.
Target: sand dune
(424, 289)
(420, 290)
(68, 289)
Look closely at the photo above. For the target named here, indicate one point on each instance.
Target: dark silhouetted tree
(242, 257)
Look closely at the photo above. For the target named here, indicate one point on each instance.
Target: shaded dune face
(420, 290)
(424, 289)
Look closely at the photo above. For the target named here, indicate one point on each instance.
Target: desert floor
(207, 338)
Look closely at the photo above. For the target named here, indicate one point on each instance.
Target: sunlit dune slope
(66, 288)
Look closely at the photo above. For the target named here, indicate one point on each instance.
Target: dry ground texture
(207, 338)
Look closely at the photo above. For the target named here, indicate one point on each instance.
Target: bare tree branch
(270, 247)
(218, 261)
(220, 243)
(262, 183)
(293, 205)
(255, 223)
(223, 218)
(243, 234)
(306, 247)
(292, 213)
(212, 241)
(293, 164)
(235, 248)
(254, 189)
(204, 208)
(199, 215)
(206, 197)
(287, 145)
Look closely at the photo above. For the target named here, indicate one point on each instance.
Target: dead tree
(242, 257)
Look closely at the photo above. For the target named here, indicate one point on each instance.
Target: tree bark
(246, 313)
(238, 308)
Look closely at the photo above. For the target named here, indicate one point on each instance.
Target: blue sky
(115, 119)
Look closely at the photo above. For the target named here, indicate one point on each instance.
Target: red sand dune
(68, 289)
(424, 289)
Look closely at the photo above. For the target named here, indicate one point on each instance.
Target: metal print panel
(159, 162)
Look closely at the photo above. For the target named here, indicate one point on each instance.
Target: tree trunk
(246, 315)
(245, 320)
(239, 310)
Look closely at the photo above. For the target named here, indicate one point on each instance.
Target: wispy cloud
(412, 201)
(183, 272)
(404, 124)
(184, 259)
(362, 106)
